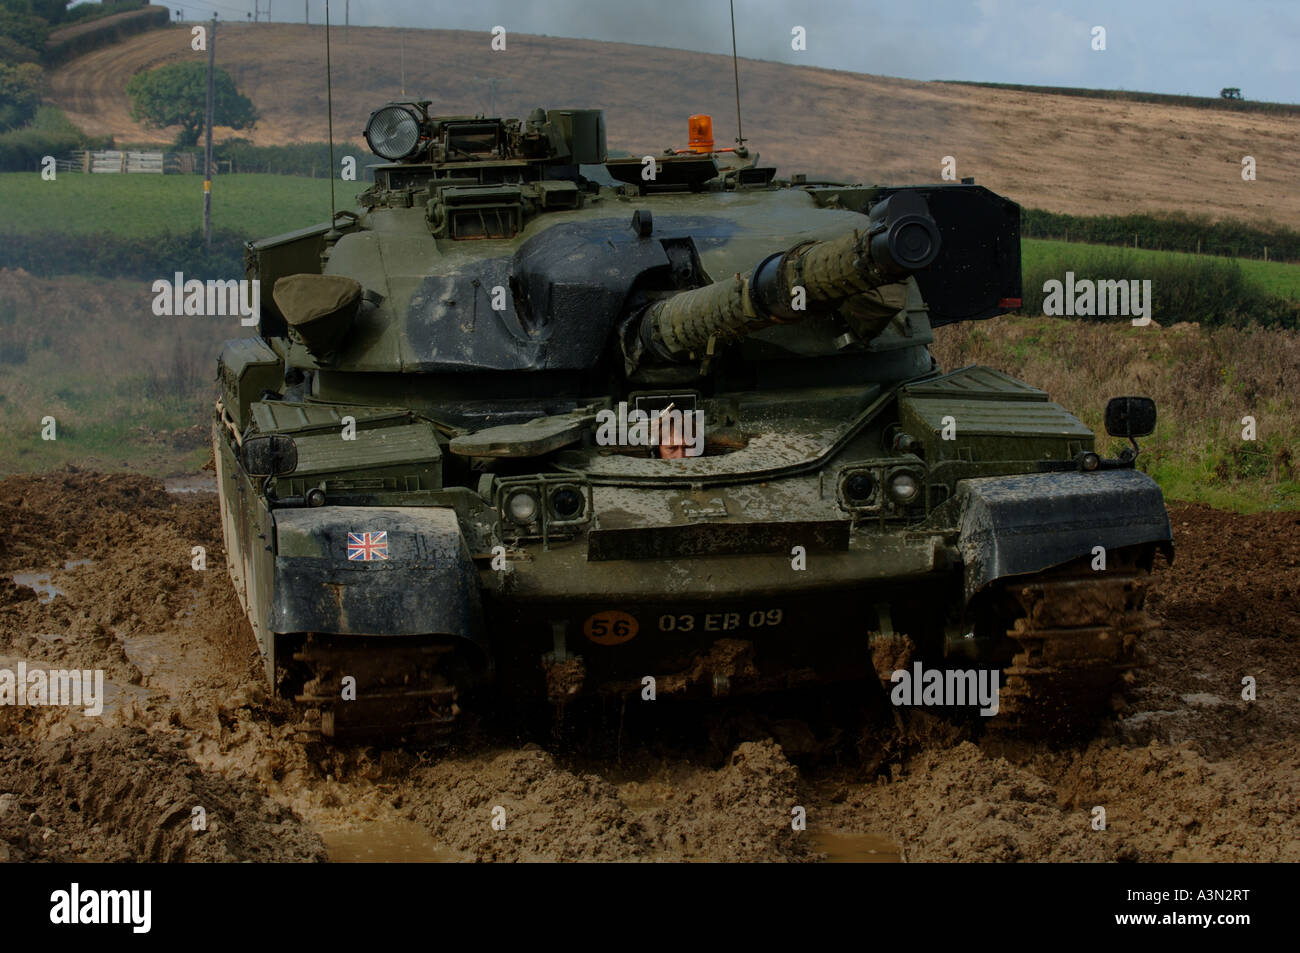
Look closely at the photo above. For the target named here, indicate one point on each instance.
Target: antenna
(735, 69)
(329, 105)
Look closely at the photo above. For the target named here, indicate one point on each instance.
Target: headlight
(522, 507)
(904, 487)
(393, 132)
(542, 505)
(859, 487)
(567, 502)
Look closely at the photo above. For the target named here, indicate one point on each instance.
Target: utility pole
(207, 149)
(347, 13)
(403, 35)
(306, 13)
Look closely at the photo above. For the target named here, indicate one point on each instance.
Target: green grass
(130, 392)
(140, 206)
(1204, 381)
(1193, 482)
(1273, 277)
(48, 119)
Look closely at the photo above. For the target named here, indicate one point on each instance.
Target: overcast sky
(1167, 46)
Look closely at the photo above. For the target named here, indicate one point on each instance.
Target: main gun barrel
(812, 277)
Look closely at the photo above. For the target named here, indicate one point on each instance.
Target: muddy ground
(1187, 770)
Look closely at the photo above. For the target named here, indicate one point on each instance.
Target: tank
(534, 422)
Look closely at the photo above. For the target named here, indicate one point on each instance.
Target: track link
(1077, 633)
(402, 690)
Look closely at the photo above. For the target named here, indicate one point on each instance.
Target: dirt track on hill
(1187, 771)
(1061, 153)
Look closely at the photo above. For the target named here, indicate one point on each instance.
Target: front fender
(1021, 524)
(420, 581)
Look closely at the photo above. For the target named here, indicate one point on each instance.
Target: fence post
(1266, 253)
(1135, 240)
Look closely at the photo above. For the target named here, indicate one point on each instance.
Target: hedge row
(1164, 99)
(1210, 291)
(108, 255)
(1172, 232)
(71, 41)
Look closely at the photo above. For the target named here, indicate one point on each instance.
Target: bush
(11, 51)
(1209, 291)
(1172, 232)
(1133, 96)
(304, 158)
(96, 11)
(24, 29)
(69, 41)
(49, 134)
(20, 94)
(108, 255)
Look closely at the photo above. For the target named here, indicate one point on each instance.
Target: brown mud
(1187, 769)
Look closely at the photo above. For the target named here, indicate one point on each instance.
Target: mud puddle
(191, 483)
(844, 848)
(40, 582)
(393, 841)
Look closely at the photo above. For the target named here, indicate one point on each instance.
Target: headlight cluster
(538, 505)
(393, 132)
(873, 488)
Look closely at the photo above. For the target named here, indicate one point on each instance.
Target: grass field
(132, 391)
(1277, 278)
(127, 390)
(1204, 381)
(139, 206)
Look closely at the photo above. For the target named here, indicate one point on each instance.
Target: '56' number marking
(610, 627)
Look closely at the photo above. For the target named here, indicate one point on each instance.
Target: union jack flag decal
(367, 546)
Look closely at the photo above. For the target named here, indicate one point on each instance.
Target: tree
(20, 94)
(24, 29)
(176, 95)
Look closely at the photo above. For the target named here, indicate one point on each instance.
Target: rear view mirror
(1130, 416)
(270, 455)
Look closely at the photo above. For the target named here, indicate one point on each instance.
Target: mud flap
(1022, 524)
(355, 570)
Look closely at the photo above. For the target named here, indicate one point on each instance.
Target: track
(1077, 635)
(389, 690)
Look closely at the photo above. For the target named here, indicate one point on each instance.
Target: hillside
(1061, 153)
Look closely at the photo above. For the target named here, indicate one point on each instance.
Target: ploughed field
(1187, 770)
(1061, 153)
